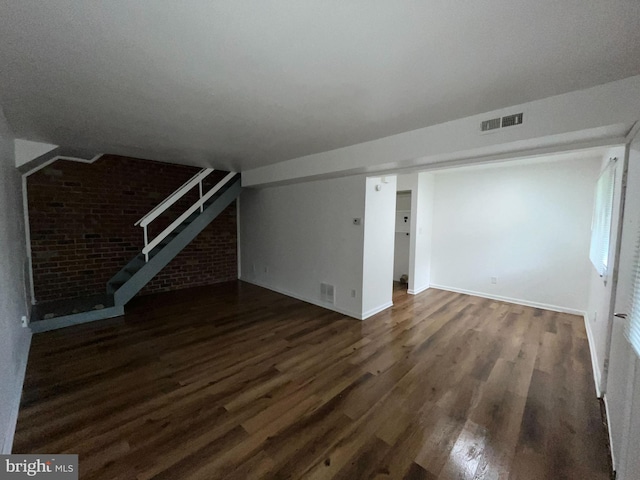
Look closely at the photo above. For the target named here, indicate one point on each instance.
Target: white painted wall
(403, 200)
(406, 182)
(600, 289)
(379, 236)
(598, 115)
(27, 150)
(303, 235)
(401, 255)
(421, 186)
(409, 182)
(402, 242)
(421, 241)
(528, 225)
(14, 340)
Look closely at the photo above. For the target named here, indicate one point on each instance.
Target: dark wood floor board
(405, 444)
(437, 443)
(315, 434)
(467, 452)
(235, 381)
(341, 452)
(365, 463)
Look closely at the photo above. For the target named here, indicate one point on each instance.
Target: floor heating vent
(327, 293)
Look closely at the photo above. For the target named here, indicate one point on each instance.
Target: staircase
(155, 255)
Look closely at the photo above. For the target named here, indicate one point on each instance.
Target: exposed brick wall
(82, 227)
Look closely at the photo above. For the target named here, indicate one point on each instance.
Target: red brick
(83, 221)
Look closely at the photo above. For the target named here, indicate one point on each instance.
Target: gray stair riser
(156, 263)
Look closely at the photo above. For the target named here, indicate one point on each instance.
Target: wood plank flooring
(234, 381)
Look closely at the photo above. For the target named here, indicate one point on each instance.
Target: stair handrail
(180, 192)
(149, 246)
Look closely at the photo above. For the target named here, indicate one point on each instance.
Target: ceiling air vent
(498, 123)
(511, 120)
(488, 125)
(326, 293)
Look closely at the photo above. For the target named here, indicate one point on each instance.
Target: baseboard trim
(7, 444)
(415, 291)
(282, 291)
(594, 358)
(517, 301)
(373, 311)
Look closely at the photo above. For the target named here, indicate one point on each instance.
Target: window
(601, 222)
(633, 321)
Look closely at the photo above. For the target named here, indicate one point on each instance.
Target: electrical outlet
(353, 294)
(494, 280)
(24, 321)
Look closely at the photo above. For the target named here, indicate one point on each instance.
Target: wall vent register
(489, 125)
(327, 293)
(497, 123)
(512, 120)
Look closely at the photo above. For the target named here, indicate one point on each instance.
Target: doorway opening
(402, 243)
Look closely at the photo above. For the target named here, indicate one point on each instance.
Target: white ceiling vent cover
(498, 123)
(512, 120)
(488, 125)
(327, 293)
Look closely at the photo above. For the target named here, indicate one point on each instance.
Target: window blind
(601, 222)
(633, 318)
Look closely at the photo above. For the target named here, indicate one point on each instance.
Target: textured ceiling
(241, 84)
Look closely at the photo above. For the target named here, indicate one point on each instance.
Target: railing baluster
(199, 205)
(146, 242)
(174, 197)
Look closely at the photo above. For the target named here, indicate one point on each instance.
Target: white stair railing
(173, 198)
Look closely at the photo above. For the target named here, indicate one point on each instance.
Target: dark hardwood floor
(234, 381)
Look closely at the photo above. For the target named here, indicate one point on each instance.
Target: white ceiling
(240, 84)
(587, 154)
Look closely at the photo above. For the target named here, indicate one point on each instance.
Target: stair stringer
(76, 319)
(161, 259)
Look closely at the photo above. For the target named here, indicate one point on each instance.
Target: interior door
(623, 381)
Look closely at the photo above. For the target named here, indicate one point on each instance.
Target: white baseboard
(415, 291)
(343, 311)
(373, 311)
(594, 358)
(7, 443)
(517, 301)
